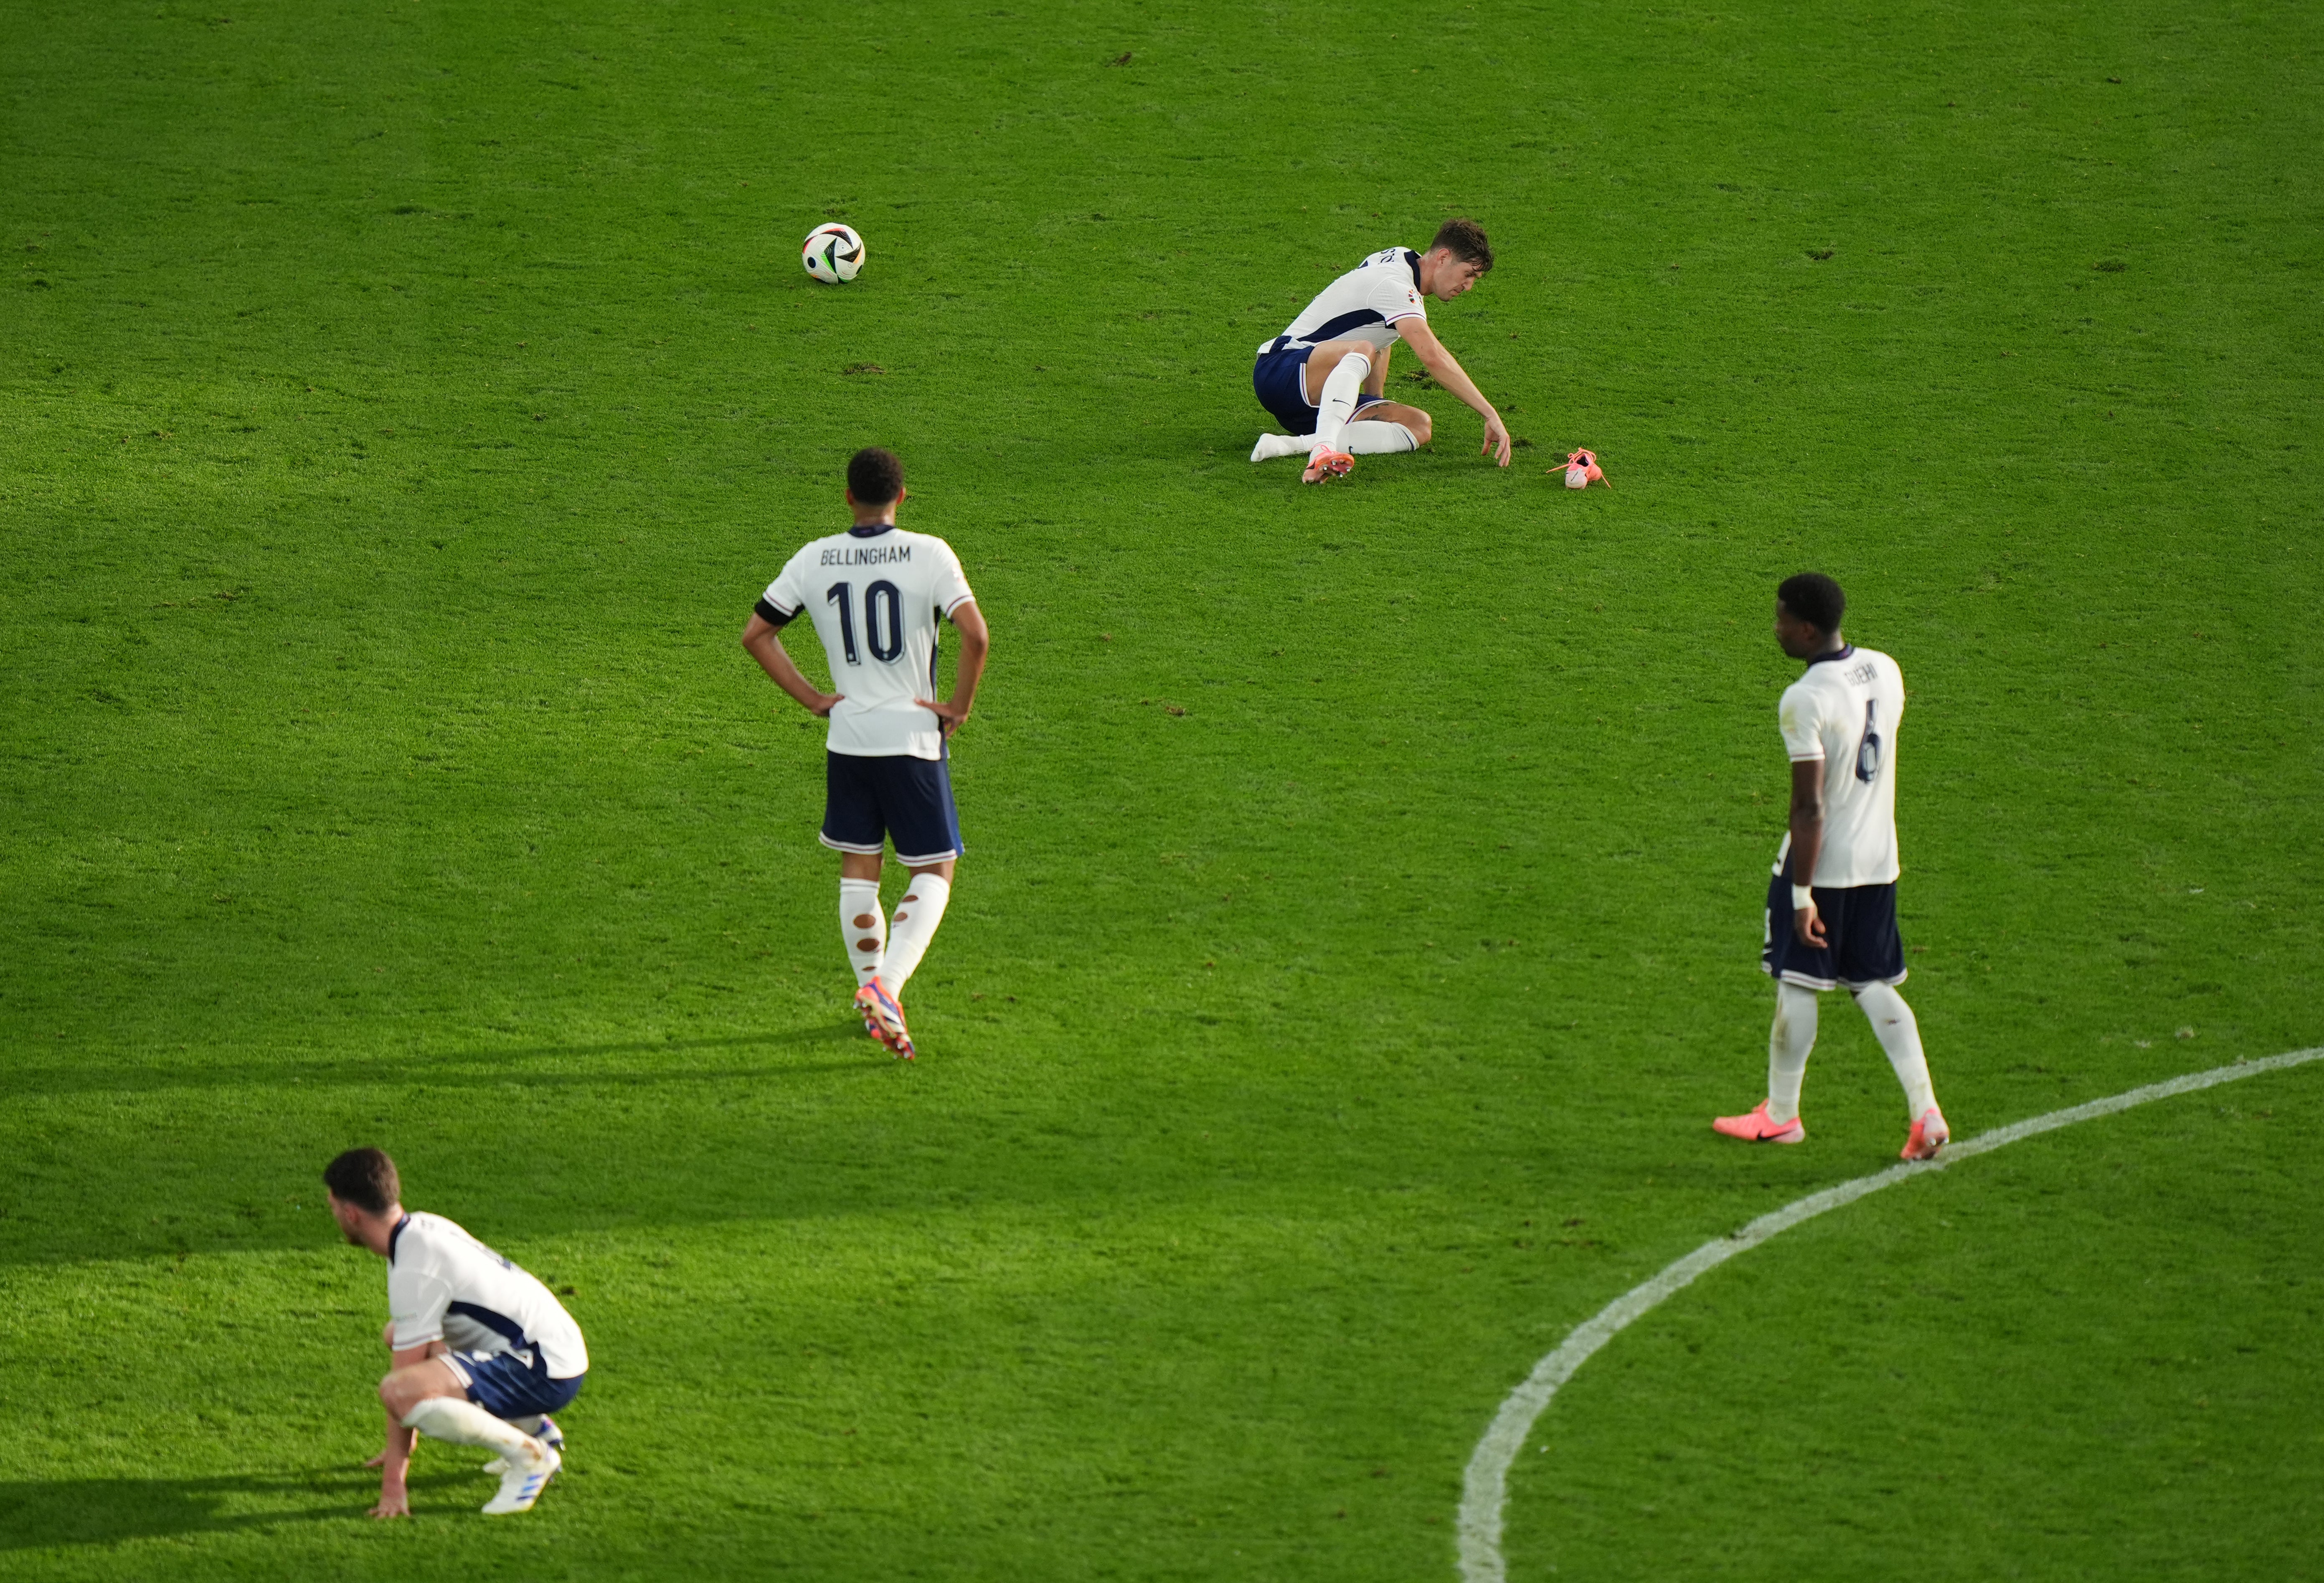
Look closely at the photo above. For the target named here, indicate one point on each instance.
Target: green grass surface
(401, 406)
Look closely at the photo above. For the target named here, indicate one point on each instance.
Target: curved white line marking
(1484, 1491)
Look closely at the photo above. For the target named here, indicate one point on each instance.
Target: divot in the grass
(1484, 1490)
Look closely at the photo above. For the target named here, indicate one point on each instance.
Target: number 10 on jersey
(883, 608)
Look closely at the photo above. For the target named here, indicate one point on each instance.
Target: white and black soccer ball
(833, 253)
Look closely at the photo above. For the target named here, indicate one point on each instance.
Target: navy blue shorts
(1861, 946)
(903, 799)
(1279, 380)
(514, 1385)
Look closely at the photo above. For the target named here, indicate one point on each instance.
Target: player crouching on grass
(876, 593)
(483, 1353)
(1838, 930)
(1322, 377)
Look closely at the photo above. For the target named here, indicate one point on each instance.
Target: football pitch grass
(401, 406)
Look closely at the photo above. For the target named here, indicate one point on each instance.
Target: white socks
(464, 1423)
(1899, 1033)
(1367, 436)
(1342, 387)
(1793, 1036)
(1373, 437)
(872, 948)
(917, 918)
(1788, 1043)
(862, 926)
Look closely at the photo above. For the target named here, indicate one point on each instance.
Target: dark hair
(1466, 238)
(875, 475)
(1815, 598)
(365, 1178)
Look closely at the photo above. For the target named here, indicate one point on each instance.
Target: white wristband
(1802, 898)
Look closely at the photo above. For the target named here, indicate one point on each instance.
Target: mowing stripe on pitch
(1484, 1490)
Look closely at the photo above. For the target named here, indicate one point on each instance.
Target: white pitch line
(1484, 1490)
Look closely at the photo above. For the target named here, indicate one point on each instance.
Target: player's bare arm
(1445, 369)
(975, 643)
(396, 1455)
(1807, 843)
(394, 1461)
(1804, 640)
(765, 645)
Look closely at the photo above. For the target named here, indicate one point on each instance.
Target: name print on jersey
(856, 555)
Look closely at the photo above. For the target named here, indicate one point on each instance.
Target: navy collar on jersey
(392, 1237)
(1842, 653)
(1412, 262)
(870, 530)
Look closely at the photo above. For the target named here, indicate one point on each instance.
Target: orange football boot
(1323, 463)
(1756, 1127)
(1928, 1136)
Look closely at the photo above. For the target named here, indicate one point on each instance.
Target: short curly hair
(1815, 599)
(875, 475)
(1465, 239)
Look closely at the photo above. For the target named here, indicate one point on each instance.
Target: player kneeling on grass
(482, 1352)
(1839, 930)
(1323, 378)
(876, 593)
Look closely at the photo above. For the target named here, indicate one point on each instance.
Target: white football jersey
(876, 597)
(1362, 305)
(1845, 712)
(444, 1285)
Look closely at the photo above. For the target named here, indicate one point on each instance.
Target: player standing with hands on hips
(876, 594)
(1839, 929)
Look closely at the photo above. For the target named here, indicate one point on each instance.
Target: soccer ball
(833, 253)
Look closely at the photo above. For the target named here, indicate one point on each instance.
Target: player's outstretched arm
(759, 637)
(975, 643)
(1447, 371)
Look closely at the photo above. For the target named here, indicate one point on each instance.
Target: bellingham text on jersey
(853, 555)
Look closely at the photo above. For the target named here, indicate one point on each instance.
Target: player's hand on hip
(949, 716)
(1496, 440)
(825, 703)
(1807, 925)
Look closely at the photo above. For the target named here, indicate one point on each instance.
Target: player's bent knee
(1421, 426)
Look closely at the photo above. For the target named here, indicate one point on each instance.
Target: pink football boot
(1323, 463)
(1756, 1127)
(1929, 1134)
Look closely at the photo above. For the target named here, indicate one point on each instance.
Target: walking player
(1839, 930)
(482, 1352)
(876, 593)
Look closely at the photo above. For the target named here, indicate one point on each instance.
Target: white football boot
(548, 1434)
(521, 1486)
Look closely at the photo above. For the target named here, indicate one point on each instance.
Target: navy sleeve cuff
(769, 615)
